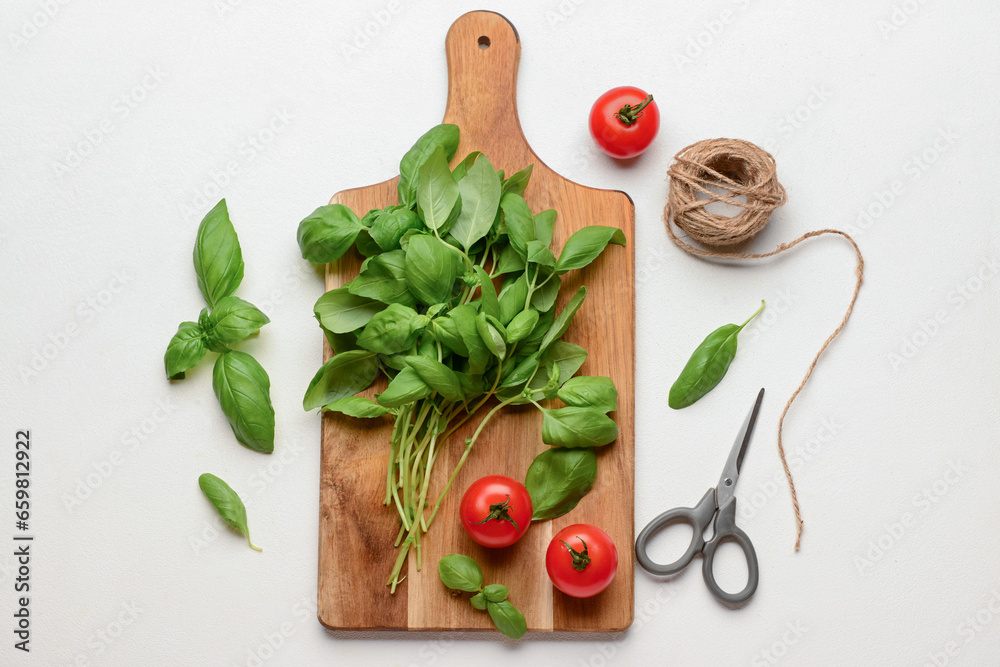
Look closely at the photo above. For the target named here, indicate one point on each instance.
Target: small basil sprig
(227, 502)
(707, 365)
(461, 573)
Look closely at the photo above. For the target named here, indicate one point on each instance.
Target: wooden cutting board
(356, 530)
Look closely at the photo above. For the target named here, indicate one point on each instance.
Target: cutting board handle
(483, 50)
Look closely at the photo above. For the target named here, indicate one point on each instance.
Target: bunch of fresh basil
(425, 312)
(241, 384)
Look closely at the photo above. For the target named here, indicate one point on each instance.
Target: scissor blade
(731, 473)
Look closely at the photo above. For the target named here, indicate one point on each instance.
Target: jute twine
(741, 174)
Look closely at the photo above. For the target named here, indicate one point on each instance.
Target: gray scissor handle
(698, 517)
(726, 530)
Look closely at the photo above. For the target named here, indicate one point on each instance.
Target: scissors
(718, 508)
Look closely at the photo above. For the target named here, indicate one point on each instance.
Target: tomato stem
(630, 114)
(500, 512)
(580, 558)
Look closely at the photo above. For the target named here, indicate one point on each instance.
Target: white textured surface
(130, 207)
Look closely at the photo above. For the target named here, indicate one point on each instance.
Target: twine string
(741, 174)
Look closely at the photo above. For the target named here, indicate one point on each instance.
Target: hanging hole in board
(484, 42)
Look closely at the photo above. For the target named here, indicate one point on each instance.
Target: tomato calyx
(500, 512)
(630, 114)
(580, 558)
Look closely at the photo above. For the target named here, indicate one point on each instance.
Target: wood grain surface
(356, 530)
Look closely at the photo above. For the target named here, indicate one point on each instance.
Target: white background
(850, 96)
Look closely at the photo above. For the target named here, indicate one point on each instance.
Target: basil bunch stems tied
(425, 312)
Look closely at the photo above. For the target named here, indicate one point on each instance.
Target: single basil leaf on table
(327, 233)
(393, 330)
(491, 304)
(462, 168)
(520, 222)
(431, 269)
(390, 226)
(345, 374)
(512, 299)
(384, 279)
(406, 387)
(439, 377)
(227, 503)
(218, 259)
(495, 592)
(231, 321)
(577, 427)
(244, 392)
(521, 325)
(564, 318)
(460, 573)
(585, 245)
(545, 223)
(590, 392)
(558, 479)
(491, 336)
(480, 195)
(507, 619)
(518, 182)
(184, 350)
(339, 311)
(357, 406)
(446, 136)
(438, 200)
(707, 365)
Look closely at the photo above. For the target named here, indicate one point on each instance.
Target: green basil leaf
(564, 318)
(585, 245)
(552, 386)
(545, 295)
(392, 330)
(520, 222)
(390, 226)
(341, 342)
(438, 201)
(490, 306)
(480, 195)
(518, 182)
(431, 269)
(231, 321)
(406, 387)
(345, 374)
(507, 618)
(577, 427)
(244, 392)
(460, 573)
(558, 479)
(184, 350)
(495, 592)
(357, 406)
(339, 311)
(227, 503)
(512, 299)
(384, 279)
(509, 261)
(327, 233)
(366, 245)
(545, 223)
(539, 253)
(491, 336)
(590, 392)
(446, 331)
(707, 365)
(446, 136)
(439, 377)
(462, 168)
(218, 259)
(478, 601)
(522, 372)
(472, 385)
(521, 325)
(464, 317)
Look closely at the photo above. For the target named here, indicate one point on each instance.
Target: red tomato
(581, 560)
(624, 121)
(495, 511)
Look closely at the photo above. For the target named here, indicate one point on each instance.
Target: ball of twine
(741, 174)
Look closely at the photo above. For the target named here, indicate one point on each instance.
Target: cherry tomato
(581, 560)
(495, 511)
(624, 121)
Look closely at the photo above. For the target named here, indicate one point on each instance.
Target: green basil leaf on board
(558, 479)
(512, 299)
(577, 427)
(327, 233)
(184, 350)
(446, 331)
(480, 195)
(439, 377)
(552, 386)
(338, 311)
(521, 325)
(431, 269)
(228, 504)
(244, 392)
(357, 406)
(539, 253)
(520, 222)
(218, 259)
(507, 619)
(518, 182)
(491, 336)
(707, 365)
(490, 305)
(585, 245)
(231, 321)
(392, 330)
(545, 223)
(495, 592)
(478, 601)
(438, 201)
(564, 318)
(366, 244)
(509, 261)
(406, 387)
(590, 392)
(545, 295)
(462, 168)
(384, 279)
(390, 226)
(460, 573)
(444, 136)
(345, 374)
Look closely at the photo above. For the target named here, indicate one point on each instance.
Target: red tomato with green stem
(581, 560)
(624, 121)
(495, 511)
